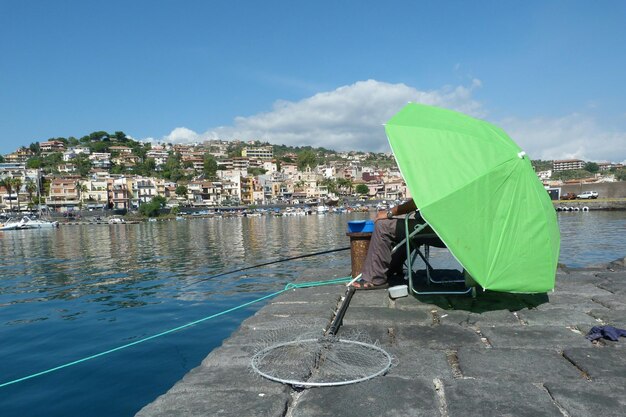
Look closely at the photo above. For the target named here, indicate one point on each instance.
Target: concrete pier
(495, 355)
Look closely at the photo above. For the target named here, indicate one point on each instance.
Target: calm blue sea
(76, 291)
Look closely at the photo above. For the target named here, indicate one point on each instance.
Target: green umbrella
(478, 191)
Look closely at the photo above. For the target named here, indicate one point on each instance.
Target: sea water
(76, 291)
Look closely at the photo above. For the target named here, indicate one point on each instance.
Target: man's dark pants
(380, 263)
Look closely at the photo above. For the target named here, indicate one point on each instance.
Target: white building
(261, 152)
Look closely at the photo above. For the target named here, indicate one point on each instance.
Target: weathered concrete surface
(495, 355)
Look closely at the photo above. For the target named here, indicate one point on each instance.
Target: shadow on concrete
(487, 301)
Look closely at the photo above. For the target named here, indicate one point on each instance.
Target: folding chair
(438, 281)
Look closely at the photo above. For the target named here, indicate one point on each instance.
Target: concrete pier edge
(498, 354)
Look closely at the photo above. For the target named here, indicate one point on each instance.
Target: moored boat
(28, 223)
(11, 224)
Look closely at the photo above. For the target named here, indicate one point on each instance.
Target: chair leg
(410, 259)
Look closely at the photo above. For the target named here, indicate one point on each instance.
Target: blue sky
(323, 73)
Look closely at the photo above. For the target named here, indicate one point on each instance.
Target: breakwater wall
(605, 190)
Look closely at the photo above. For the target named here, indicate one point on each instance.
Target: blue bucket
(360, 226)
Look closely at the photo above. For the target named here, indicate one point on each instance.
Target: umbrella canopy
(478, 191)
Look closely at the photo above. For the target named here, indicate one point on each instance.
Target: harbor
(312, 209)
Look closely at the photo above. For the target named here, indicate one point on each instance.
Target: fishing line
(265, 264)
(65, 287)
(289, 286)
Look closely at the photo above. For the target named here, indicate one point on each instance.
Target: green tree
(34, 148)
(151, 209)
(173, 168)
(620, 174)
(34, 162)
(120, 136)
(138, 148)
(330, 184)
(81, 189)
(8, 184)
(83, 164)
(209, 165)
(307, 158)
(17, 186)
(31, 187)
(146, 168)
(98, 136)
(234, 150)
(52, 161)
(181, 191)
(254, 171)
(592, 167)
(570, 174)
(362, 189)
(345, 185)
(99, 146)
(117, 168)
(541, 165)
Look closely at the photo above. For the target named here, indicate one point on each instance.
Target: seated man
(380, 263)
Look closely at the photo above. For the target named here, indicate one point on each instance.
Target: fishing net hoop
(385, 362)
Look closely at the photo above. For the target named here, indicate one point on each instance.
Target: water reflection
(134, 265)
(123, 266)
(589, 238)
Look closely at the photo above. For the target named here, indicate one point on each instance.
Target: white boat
(11, 224)
(116, 220)
(28, 223)
(322, 209)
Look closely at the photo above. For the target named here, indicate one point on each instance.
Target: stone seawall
(605, 190)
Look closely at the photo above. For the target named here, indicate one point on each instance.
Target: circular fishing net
(321, 361)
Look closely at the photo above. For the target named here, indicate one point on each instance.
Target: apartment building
(143, 190)
(120, 149)
(52, 146)
(120, 193)
(567, 164)
(100, 160)
(18, 157)
(64, 194)
(159, 156)
(260, 152)
(206, 193)
(289, 169)
(72, 153)
(96, 194)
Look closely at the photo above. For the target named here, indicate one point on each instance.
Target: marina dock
(493, 355)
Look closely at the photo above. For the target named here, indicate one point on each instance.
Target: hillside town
(112, 171)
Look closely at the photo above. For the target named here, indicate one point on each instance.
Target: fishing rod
(338, 321)
(266, 264)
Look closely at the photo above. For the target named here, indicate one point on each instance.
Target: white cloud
(351, 118)
(572, 136)
(348, 118)
(182, 134)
